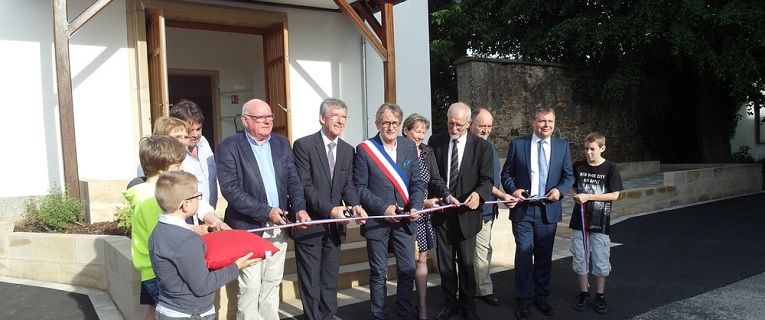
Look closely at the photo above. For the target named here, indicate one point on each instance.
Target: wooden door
(277, 77)
(158, 94)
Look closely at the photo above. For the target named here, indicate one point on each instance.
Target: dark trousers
(317, 267)
(534, 238)
(456, 259)
(402, 244)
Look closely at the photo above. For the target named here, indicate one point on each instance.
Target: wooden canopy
(379, 34)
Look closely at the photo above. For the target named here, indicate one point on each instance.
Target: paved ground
(699, 262)
(704, 261)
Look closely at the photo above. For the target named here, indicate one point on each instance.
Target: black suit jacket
(323, 193)
(475, 175)
(242, 185)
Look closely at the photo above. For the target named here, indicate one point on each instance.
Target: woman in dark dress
(415, 127)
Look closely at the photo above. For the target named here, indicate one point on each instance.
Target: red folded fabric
(225, 246)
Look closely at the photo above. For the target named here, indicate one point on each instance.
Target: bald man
(258, 177)
(481, 125)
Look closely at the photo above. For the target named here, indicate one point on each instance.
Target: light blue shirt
(267, 173)
(204, 169)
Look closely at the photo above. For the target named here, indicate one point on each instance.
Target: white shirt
(205, 171)
(391, 152)
(535, 163)
(460, 152)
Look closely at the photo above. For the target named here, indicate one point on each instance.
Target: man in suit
(257, 175)
(387, 177)
(481, 124)
(537, 165)
(465, 163)
(325, 165)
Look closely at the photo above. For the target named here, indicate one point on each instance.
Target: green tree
(711, 51)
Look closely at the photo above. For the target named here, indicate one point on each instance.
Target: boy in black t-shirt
(597, 184)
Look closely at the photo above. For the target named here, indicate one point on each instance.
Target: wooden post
(65, 104)
(389, 63)
(62, 31)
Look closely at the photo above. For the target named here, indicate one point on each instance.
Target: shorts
(600, 252)
(150, 292)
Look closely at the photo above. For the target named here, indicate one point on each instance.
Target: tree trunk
(713, 119)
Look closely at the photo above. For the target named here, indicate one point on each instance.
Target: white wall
(412, 63)
(100, 81)
(326, 60)
(237, 57)
(745, 135)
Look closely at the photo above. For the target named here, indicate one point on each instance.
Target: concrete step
(352, 234)
(351, 275)
(350, 253)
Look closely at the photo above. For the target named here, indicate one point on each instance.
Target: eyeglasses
(484, 127)
(457, 125)
(260, 119)
(198, 197)
(390, 124)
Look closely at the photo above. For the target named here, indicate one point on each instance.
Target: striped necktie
(454, 168)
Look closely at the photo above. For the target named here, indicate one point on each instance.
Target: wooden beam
(373, 40)
(214, 27)
(86, 15)
(363, 9)
(65, 103)
(389, 62)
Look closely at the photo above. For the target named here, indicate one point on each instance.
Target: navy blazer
(322, 192)
(376, 192)
(475, 175)
(242, 185)
(516, 174)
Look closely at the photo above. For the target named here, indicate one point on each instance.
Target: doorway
(200, 86)
(272, 26)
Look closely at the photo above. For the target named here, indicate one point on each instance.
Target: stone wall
(515, 89)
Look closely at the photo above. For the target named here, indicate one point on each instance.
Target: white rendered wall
(99, 64)
(745, 135)
(237, 57)
(326, 60)
(412, 63)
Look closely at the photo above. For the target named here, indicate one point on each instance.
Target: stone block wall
(514, 89)
(695, 184)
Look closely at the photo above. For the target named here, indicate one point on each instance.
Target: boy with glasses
(178, 253)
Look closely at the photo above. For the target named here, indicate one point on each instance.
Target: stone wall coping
(462, 60)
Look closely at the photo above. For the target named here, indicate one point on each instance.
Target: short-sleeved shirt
(600, 179)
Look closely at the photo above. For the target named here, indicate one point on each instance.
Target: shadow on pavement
(664, 257)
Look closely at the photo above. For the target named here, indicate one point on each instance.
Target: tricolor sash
(373, 147)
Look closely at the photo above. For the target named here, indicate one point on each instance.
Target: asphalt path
(667, 265)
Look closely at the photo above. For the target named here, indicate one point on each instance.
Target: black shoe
(523, 311)
(581, 301)
(470, 314)
(490, 299)
(447, 312)
(544, 307)
(600, 304)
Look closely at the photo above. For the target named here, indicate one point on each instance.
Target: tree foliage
(618, 44)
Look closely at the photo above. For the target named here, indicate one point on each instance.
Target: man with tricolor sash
(387, 177)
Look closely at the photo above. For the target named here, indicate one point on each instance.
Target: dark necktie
(454, 170)
(331, 158)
